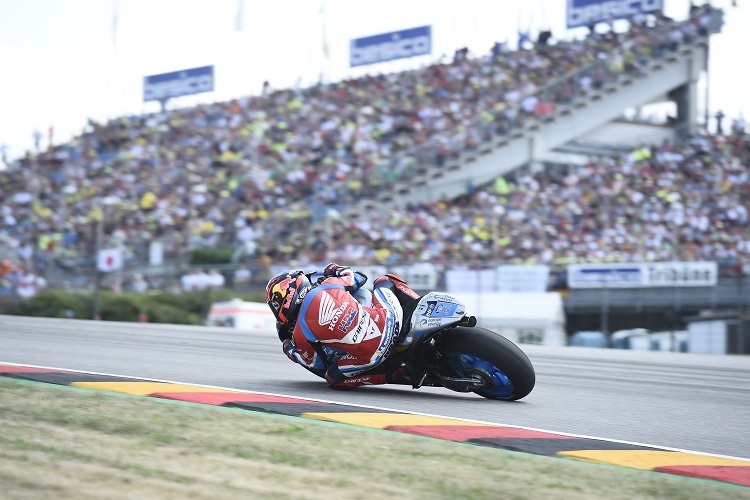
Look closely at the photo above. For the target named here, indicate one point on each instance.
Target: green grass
(75, 443)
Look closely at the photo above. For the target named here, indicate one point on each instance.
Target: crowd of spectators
(256, 170)
(19, 283)
(199, 279)
(684, 201)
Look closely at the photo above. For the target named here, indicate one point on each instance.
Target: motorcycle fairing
(435, 311)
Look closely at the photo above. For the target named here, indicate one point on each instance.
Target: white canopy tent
(526, 318)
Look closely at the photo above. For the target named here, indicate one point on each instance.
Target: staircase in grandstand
(564, 127)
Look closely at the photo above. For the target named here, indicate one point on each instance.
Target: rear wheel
(481, 353)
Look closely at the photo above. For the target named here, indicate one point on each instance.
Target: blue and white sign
(178, 83)
(588, 12)
(390, 46)
(605, 275)
(643, 275)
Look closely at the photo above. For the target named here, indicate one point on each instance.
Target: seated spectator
(6, 268)
(27, 284)
(242, 276)
(138, 284)
(189, 281)
(215, 279)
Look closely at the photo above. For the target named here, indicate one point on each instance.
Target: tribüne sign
(643, 275)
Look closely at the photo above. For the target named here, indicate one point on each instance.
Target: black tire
(496, 350)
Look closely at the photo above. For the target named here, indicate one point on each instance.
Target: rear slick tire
(494, 349)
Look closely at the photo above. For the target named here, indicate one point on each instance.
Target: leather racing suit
(343, 340)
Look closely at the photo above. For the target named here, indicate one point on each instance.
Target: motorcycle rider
(339, 330)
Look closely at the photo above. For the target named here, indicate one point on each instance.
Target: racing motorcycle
(445, 348)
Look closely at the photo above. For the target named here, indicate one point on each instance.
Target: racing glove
(291, 351)
(336, 270)
(284, 331)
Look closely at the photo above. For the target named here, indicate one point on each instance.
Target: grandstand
(460, 165)
(583, 106)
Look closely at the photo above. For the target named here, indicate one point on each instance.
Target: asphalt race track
(683, 401)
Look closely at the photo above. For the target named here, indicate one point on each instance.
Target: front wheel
(507, 370)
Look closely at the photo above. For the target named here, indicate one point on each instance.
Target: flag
(37, 138)
(109, 259)
(239, 17)
(501, 186)
(115, 23)
(323, 30)
(523, 37)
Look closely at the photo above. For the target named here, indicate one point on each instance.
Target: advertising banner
(643, 275)
(588, 12)
(465, 280)
(178, 83)
(390, 46)
(522, 278)
(372, 272)
(156, 253)
(422, 276)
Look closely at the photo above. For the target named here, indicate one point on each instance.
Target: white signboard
(527, 318)
(236, 313)
(372, 273)
(643, 275)
(422, 276)
(156, 253)
(465, 280)
(522, 278)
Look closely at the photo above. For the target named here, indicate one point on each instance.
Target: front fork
(425, 370)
